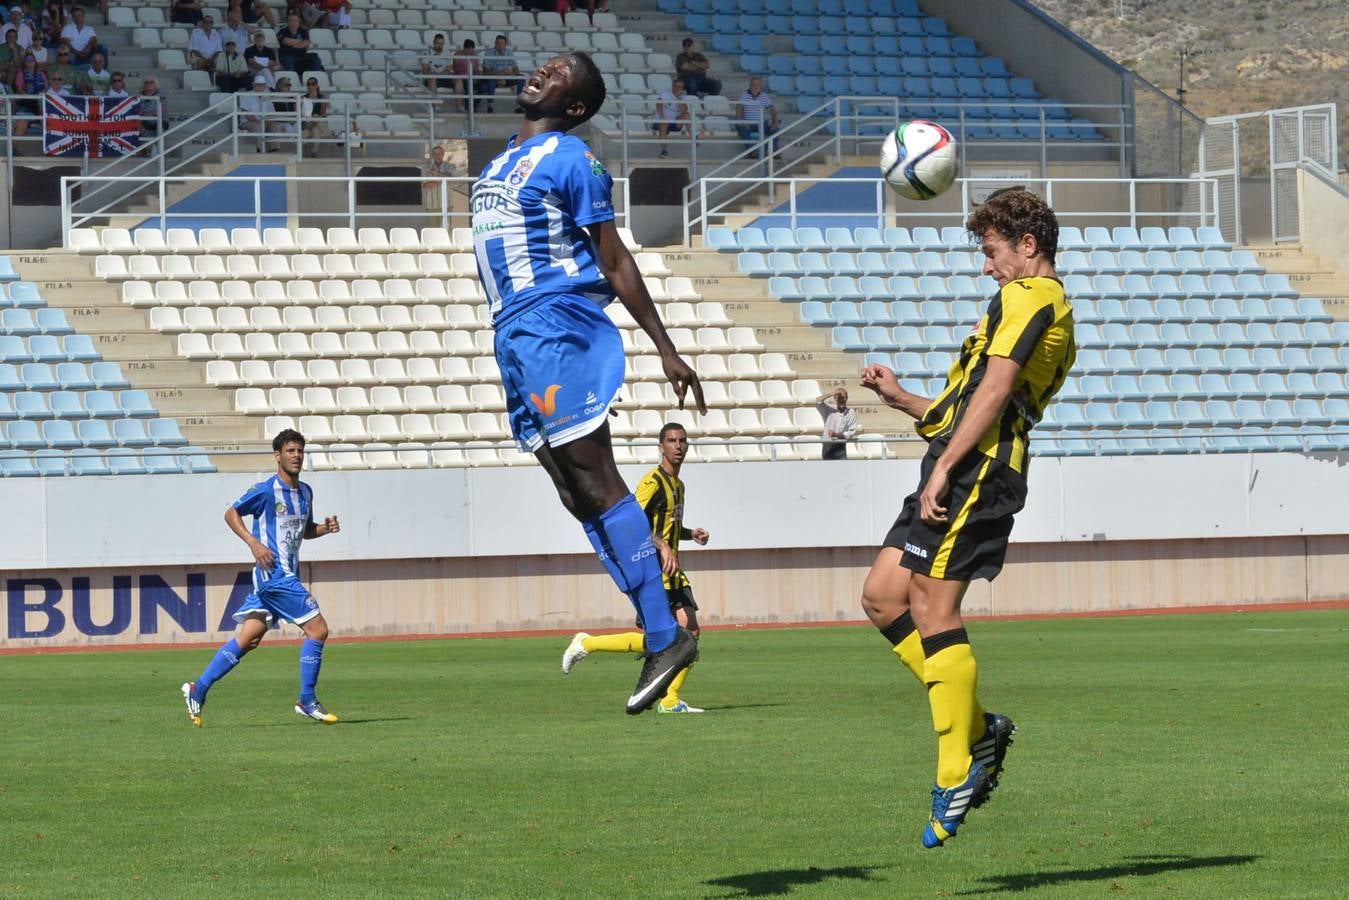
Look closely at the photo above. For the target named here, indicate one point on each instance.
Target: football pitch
(1180, 756)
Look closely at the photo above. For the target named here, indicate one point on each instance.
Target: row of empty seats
(65, 433)
(292, 394)
(75, 404)
(1119, 360)
(92, 461)
(954, 237)
(245, 239)
(920, 262)
(63, 376)
(48, 348)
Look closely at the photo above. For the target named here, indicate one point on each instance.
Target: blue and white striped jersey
(530, 208)
(281, 516)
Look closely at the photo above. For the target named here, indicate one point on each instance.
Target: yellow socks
(907, 645)
(627, 642)
(671, 697)
(952, 678)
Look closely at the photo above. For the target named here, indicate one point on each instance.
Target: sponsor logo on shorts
(915, 550)
(594, 404)
(548, 403)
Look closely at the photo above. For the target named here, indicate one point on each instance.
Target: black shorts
(984, 496)
(681, 598)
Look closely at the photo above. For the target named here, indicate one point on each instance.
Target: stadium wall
(149, 560)
(1323, 207)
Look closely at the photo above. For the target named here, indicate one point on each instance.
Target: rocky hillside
(1242, 55)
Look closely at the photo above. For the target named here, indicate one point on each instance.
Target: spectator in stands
(284, 104)
(313, 111)
(186, 12)
(62, 65)
(691, 68)
(465, 64)
(840, 423)
(39, 49)
(152, 107)
(756, 116)
(22, 30)
(499, 62)
(117, 88)
(257, 109)
(436, 168)
(97, 79)
(54, 18)
(261, 59)
(30, 80)
(56, 84)
(436, 64)
(82, 38)
(672, 114)
(337, 13)
(251, 11)
(204, 46)
(11, 56)
(231, 71)
(293, 45)
(235, 30)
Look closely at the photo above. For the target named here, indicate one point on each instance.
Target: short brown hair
(1013, 212)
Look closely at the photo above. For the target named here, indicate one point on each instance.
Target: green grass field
(1172, 756)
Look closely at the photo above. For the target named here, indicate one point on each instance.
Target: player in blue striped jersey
(550, 259)
(282, 508)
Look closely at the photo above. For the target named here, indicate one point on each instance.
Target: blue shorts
(280, 598)
(561, 365)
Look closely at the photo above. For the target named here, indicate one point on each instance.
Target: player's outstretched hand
(331, 525)
(683, 379)
(882, 380)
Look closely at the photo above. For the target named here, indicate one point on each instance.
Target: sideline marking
(560, 632)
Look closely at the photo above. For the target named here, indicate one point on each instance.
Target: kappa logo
(548, 403)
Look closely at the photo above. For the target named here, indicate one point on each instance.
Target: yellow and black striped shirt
(662, 498)
(1031, 323)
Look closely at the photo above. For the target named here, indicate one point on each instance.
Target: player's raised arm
(882, 380)
(621, 269)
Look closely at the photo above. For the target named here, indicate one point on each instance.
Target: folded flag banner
(95, 127)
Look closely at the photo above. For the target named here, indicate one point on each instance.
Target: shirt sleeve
(254, 501)
(585, 184)
(1025, 318)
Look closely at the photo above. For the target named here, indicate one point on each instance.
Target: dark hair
(469, 44)
(286, 436)
(502, 37)
(592, 91)
(669, 427)
(1013, 212)
(687, 41)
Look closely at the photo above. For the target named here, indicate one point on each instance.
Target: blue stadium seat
(108, 375)
(24, 434)
(122, 461)
(136, 403)
(73, 376)
(130, 433)
(86, 461)
(1218, 262)
(1193, 285)
(781, 238)
(926, 237)
(811, 262)
(1098, 237)
(78, 348)
(52, 320)
(165, 433)
(753, 264)
(68, 405)
(813, 287)
(60, 433)
(1246, 262)
(877, 337)
(719, 237)
(873, 287)
(102, 404)
(37, 377)
(1078, 286)
(784, 288)
(16, 464)
(50, 462)
(847, 337)
(1182, 237)
(868, 238)
(31, 405)
(95, 433)
(842, 263)
(1104, 262)
(817, 312)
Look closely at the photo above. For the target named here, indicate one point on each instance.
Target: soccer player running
(283, 515)
(954, 528)
(661, 495)
(550, 258)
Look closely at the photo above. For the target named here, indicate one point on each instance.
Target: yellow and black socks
(952, 678)
(907, 645)
(627, 642)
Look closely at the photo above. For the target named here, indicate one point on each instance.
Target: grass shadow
(724, 706)
(1134, 866)
(777, 882)
(291, 723)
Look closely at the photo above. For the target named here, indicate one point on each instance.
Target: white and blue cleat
(951, 805)
(314, 710)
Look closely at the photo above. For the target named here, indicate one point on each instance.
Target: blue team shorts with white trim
(561, 365)
(280, 598)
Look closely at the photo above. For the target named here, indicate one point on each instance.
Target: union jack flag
(90, 126)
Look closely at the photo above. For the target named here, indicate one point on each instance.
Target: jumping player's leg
(590, 486)
(950, 673)
(885, 600)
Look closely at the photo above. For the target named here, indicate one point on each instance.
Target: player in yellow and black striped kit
(661, 495)
(954, 528)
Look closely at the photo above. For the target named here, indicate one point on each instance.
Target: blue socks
(226, 658)
(311, 658)
(621, 536)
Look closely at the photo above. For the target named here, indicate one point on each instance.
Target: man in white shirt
(756, 116)
(18, 25)
(204, 46)
(436, 63)
(256, 108)
(117, 88)
(672, 114)
(840, 424)
(82, 38)
(235, 30)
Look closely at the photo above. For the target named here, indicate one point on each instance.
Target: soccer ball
(918, 159)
